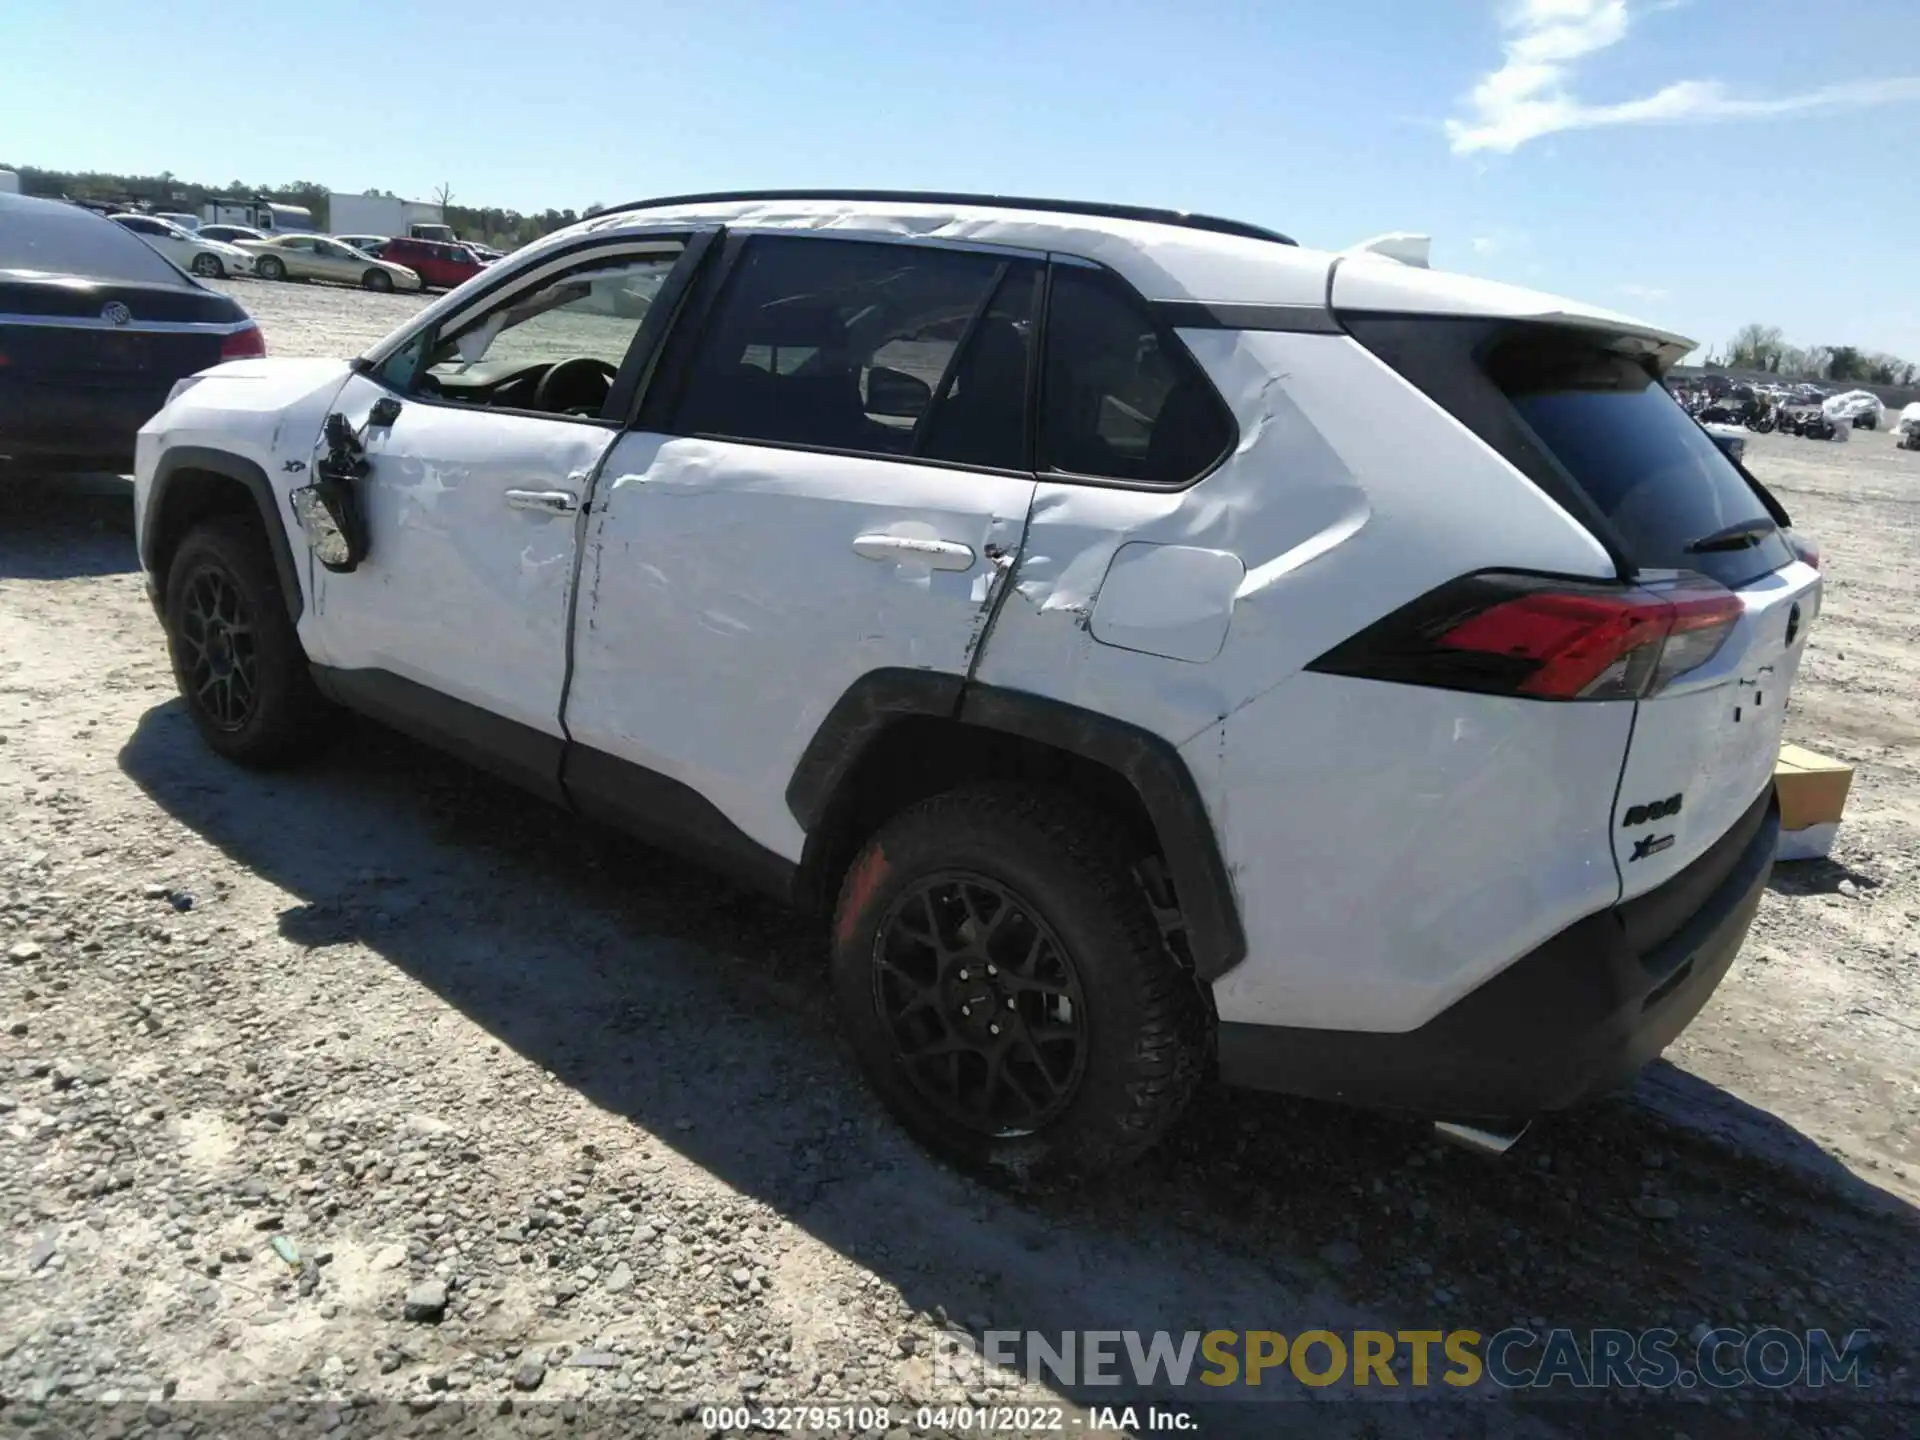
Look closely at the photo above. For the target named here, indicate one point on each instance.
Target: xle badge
(1652, 845)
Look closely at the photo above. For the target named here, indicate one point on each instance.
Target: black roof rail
(1185, 219)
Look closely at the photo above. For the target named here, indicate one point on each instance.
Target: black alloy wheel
(220, 660)
(983, 1002)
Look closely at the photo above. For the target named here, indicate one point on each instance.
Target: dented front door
(470, 517)
(730, 593)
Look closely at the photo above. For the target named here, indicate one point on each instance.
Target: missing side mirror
(329, 513)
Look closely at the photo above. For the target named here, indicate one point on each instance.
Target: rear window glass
(1643, 461)
(67, 240)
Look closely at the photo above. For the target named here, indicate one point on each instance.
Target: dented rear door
(752, 551)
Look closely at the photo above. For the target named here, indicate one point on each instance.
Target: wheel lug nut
(1010, 1002)
(993, 970)
(993, 1029)
(963, 975)
(966, 1010)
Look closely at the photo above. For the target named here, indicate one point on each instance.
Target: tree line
(487, 224)
(1763, 347)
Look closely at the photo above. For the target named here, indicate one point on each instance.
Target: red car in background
(440, 265)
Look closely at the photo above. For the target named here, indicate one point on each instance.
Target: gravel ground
(545, 1116)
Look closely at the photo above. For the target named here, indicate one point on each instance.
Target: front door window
(554, 347)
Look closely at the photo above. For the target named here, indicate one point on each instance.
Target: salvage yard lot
(429, 1029)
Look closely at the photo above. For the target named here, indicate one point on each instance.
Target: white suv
(1161, 648)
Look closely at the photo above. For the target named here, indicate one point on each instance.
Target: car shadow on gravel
(65, 526)
(702, 1015)
(1818, 877)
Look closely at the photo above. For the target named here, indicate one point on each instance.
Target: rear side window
(1121, 399)
(67, 240)
(1595, 429)
(872, 348)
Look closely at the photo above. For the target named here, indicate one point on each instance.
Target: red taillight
(1551, 640)
(247, 344)
(1804, 549)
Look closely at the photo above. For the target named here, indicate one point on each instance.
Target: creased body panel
(1335, 516)
(731, 593)
(461, 590)
(1393, 847)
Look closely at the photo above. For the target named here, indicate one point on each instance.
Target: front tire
(270, 267)
(208, 267)
(236, 657)
(378, 280)
(1007, 989)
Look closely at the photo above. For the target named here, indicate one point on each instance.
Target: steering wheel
(576, 386)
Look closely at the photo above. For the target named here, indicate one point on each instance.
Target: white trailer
(268, 216)
(384, 215)
(9, 183)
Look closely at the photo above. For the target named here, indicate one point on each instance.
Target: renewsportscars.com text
(1270, 1362)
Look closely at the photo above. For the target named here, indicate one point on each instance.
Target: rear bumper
(78, 426)
(1580, 1015)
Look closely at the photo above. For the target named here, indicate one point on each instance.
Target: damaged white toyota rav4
(1160, 648)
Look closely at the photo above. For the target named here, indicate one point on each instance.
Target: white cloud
(1644, 292)
(1530, 95)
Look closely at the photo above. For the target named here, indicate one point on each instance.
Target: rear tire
(208, 267)
(236, 656)
(1007, 989)
(270, 267)
(377, 280)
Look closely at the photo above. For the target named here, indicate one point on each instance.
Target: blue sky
(1702, 163)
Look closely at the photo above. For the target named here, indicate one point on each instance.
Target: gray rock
(529, 1373)
(594, 1360)
(1655, 1207)
(427, 1302)
(23, 952)
(40, 1253)
(621, 1280)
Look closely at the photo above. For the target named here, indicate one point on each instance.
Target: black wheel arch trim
(244, 472)
(1147, 762)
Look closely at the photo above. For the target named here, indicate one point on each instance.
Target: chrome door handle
(910, 549)
(546, 502)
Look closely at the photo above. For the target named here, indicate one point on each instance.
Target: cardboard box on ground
(1813, 793)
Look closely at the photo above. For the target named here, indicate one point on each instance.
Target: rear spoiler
(1358, 283)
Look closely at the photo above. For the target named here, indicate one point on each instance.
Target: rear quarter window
(1120, 397)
